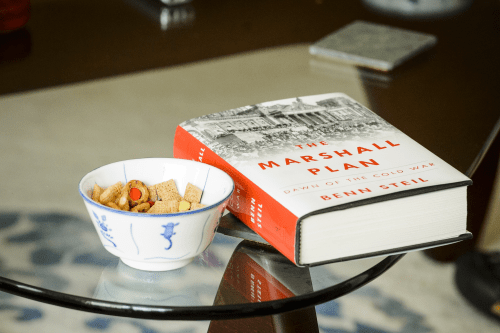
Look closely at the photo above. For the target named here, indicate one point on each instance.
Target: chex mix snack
(161, 198)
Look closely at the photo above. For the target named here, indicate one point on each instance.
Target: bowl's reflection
(179, 287)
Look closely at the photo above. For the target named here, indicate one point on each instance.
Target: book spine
(253, 206)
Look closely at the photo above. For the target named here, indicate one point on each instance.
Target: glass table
(233, 278)
(88, 83)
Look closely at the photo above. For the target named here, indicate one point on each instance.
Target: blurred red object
(13, 14)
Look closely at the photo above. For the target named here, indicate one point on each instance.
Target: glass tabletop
(49, 249)
(232, 278)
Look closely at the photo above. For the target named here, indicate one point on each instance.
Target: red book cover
(258, 273)
(299, 164)
(249, 203)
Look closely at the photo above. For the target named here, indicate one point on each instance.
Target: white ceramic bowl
(158, 242)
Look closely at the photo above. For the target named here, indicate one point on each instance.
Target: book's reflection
(258, 273)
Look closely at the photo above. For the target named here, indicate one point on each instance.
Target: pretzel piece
(195, 206)
(141, 208)
(112, 205)
(141, 187)
(164, 207)
(96, 193)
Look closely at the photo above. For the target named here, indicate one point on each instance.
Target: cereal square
(192, 193)
(172, 206)
(168, 191)
(164, 207)
(196, 205)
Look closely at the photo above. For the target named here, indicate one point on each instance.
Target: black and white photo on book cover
(317, 151)
(264, 130)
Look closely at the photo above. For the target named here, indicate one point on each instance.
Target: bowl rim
(128, 213)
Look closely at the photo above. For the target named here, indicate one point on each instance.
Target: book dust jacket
(294, 157)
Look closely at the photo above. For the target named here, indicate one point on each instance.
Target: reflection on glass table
(232, 278)
(121, 283)
(419, 8)
(168, 13)
(258, 273)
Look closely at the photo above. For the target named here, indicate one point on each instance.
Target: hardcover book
(322, 178)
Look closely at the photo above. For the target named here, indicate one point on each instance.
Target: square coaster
(373, 45)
